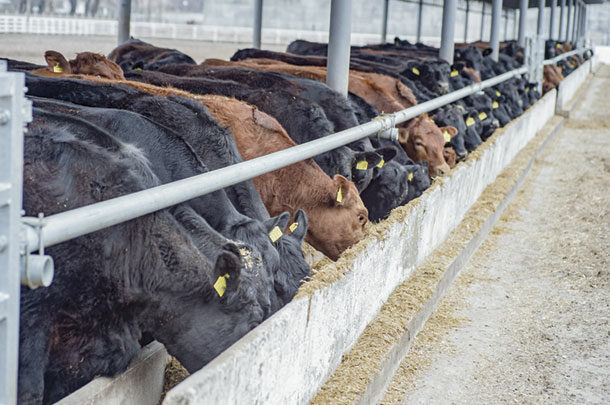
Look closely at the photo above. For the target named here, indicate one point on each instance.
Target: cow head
(337, 221)
(362, 168)
(424, 141)
(433, 74)
(453, 128)
(388, 189)
(85, 63)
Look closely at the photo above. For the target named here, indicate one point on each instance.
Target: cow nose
(443, 169)
(496, 123)
(443, 87)
(461, 156)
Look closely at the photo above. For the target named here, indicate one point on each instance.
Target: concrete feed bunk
(290, 356)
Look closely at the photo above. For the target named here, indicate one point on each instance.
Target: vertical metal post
(448, 30)
(562, 19)
(522, 21)
(553, 25)
(575, 21)
(505, 36)
(482, 21)
(258, 24)
(124, 20)
(540, 29)
(496, 19)
(15, 111)
(515, 24)
(567, 33)
(466, 21)
(420, 12)
(339, 45)
(384, 21)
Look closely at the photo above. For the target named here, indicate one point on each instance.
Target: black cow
(147, 275)
(136, 54)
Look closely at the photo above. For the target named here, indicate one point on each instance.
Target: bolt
(5, 117)
(3, 243)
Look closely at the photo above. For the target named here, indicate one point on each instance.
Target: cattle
(85, 63)
(451, 117)
(136, 54)
(551, 78)
(385, 94)
(195, 124)
(148, 275)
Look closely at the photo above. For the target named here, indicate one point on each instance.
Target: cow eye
(419, 144)
(361, 218)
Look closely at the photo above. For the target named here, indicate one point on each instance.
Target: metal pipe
(562, 16)
(80, 221)
(553, 25)
(420, 12)
(567, 33)
(258, 24)
(563, 56)
(522, 21)
(496, 19)
(540, 30)
(515, 24)
(337, 72)
(384, 21)
(575, 20)
(448, 30)
(505, 17)
(466, 21)
(482, 21)
(124, 20)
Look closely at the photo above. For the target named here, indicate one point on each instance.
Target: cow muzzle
(443, 87)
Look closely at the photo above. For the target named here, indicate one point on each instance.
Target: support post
(562, 19)
(420, 12)
(540, 29)
(575, 21)
(15, 111)
(339, 45)
(496, 19)
(384, 21)
(124, 20)
(448, 30)
(515, 25)
(258, 24)
(466, 21)
(553, 25)
(505, 36)
(567, 33)
(482, 21)
(522, 21)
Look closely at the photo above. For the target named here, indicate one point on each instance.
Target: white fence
(18, 24)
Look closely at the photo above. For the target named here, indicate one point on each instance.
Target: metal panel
(496, 19)
(258, 24)
(13, 113)
(448, 30)
(124, 20)
(339, 45)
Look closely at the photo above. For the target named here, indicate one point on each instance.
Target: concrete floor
(532, 308)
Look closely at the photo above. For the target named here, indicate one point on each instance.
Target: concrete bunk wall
(289, 357)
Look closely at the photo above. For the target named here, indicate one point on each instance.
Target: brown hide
(551, 78)
(386, 93)
(473, 73)
(85, 63)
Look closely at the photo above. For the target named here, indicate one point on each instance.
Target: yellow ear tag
(57, 68)
(495, 105)
(469, 121)
(415, 71)
(527, 89)
(410, 176)
(380, 164)
(339, 195)
(558, 46)
(482, 116)
(138, 68)
(447, 136)
(498, 93)
(454, 73)
(294, 226)
(431, 120)
(275, 234)
(362, 165)
(221, 284)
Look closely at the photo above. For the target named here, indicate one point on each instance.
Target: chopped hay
(174, 375)
(362, 363)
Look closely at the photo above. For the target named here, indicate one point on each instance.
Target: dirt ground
(31, 48)
(534, 302)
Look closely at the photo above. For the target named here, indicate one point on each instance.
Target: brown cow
(335, 211)
(551, 78)
(386, 93)
(85, 63)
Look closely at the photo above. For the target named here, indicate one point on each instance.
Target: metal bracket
(389, 130)
(37, 270)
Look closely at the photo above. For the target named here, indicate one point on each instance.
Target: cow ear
(487, 52)
(342, 192)
(365, 160)
(387, 153)
(413, 70)
(227, 269)
(459, 66)
(275, 226)
(57, 62)
(403, 135)
(298, 229)
(452, 131)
